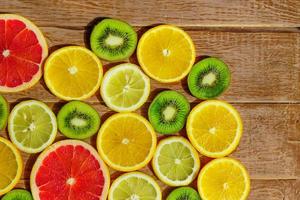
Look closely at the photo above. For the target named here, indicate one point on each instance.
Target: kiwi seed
(113, 40)
(168, 112)
(78, 120)
(208, 78)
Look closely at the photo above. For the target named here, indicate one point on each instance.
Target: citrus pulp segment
(69, 169)
(73, 73)
(11, 166)
(125, 88)
(126, 141)
(23, 49)
(224, 178)
(214, 128)
(135, 186)
(176, 162)
(166, 53)
(32, 126)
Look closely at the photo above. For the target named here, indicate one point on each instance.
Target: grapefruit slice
(69, 169)
(23, 49)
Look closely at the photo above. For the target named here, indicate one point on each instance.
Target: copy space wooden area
(260, 40)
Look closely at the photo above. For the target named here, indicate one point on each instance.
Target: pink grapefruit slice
(23, 49)
(69, 170)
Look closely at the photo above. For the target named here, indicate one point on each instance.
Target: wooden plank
(269, 148)
(186, 12)
(260, 189)
(265, 66)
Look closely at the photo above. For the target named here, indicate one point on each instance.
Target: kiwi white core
(169, 113)
(78, 122)
(209, 79)
(71, 181)
(6, 53)
(73, 70)
(114, 41)
(166, 52)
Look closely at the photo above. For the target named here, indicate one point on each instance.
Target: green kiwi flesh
(208, 78)
(168, 112)
(4, 111)
(113, 40)
(78, 120)
(184, 193)
(18, 194)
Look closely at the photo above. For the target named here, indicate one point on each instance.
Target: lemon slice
(176, 162)
(32, 126)
(126, 141)
(166, 53)
(125, 88)
(134, 186)
(73, 73)
(224, 178)
(214, 128)
(11, 166)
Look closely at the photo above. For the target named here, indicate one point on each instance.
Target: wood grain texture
(185, 12)
(265, 66)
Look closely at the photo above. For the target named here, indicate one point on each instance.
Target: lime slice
(32, 126)
(125, 88)
(133, 186)
(176, 162)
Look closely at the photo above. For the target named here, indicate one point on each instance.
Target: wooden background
(260, 40)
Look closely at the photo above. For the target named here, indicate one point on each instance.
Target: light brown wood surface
(260, 40)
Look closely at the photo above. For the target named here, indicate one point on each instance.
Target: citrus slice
(4, 112)
(23, 49)
(176, 162)
(126, 141)
(224, 178)
(166, 53)
(32, 126)
(134, 186)
(125, 88)
(69, 169)
(214, 128)
(73, 73)
(11, 166)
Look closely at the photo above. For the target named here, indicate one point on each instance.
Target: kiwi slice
(78, 120)
(18, 194)
(168, 112)
(184, 193)
(4, 111)
(208, 78)
(113, 40)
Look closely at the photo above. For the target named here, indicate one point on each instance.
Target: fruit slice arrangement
(32, 126)
(168, 112)
(126, 141)
(73, 169)
(125, 88)
(69, 169)
(78, 120)
(113, 40)
(176, 162)
(23, 49)
(73, 73)
(135, 185)
(11, 166)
